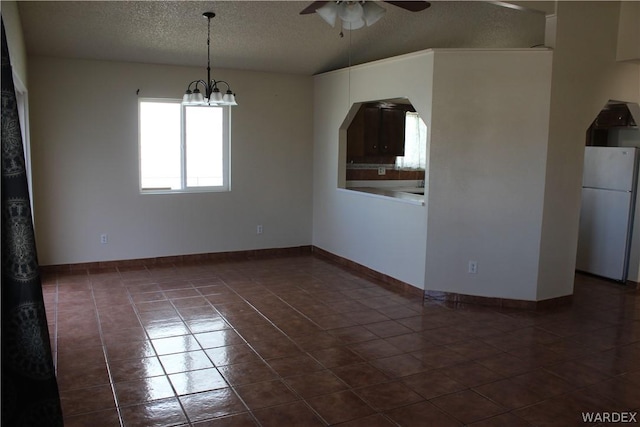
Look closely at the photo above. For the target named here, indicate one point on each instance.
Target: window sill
(186, 191)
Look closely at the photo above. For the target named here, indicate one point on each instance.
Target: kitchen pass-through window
(183, 148)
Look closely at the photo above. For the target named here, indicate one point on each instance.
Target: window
(415, 143)
(183, 148)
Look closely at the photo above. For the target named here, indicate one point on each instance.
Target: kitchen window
(415, 143)
(183, 148)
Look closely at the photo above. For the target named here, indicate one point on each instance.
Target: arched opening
(609, 233)
(384, 149)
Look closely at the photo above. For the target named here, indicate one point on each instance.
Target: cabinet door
(371, 131)
(355, 137)
(392, 129)
(614, 117)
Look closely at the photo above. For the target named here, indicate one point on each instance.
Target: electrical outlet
(259, 229)
(473, 267)
(382, 171)
(104, 239)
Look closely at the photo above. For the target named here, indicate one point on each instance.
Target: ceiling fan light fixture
(372, 12)
(355, 14)
(329, 12)
(353, 25)
(350, 11)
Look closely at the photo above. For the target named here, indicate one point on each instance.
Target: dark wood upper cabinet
(392, 131)
(371, 132)
(377, 130)
(615, 115)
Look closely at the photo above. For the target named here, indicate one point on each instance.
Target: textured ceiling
(263, 35)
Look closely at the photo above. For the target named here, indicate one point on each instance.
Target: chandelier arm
(215, 83)
(195, 84)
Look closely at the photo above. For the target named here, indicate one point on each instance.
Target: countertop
(396, 193)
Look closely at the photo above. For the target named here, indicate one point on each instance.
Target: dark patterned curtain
(29, 388)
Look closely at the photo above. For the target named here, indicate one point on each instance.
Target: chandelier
(211, 95)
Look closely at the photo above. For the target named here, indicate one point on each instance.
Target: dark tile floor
(298, 341)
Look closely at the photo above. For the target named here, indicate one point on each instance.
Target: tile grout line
(105, 355)
(55, 328)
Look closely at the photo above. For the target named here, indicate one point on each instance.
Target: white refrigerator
(606, 216)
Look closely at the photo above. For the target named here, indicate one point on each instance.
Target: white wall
(585, 76)
(629, 32)
(488, 149)
(487, 115)
(85, 156)
(383, 234)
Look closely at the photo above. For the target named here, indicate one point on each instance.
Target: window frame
(226, 151)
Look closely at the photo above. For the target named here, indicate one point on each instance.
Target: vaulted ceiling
(265, 35)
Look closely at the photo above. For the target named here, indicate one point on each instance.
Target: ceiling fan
(355, 14)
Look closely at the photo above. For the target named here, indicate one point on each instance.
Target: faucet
(421, 183)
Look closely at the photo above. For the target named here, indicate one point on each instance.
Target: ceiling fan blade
(313, 7)
(411, 6)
